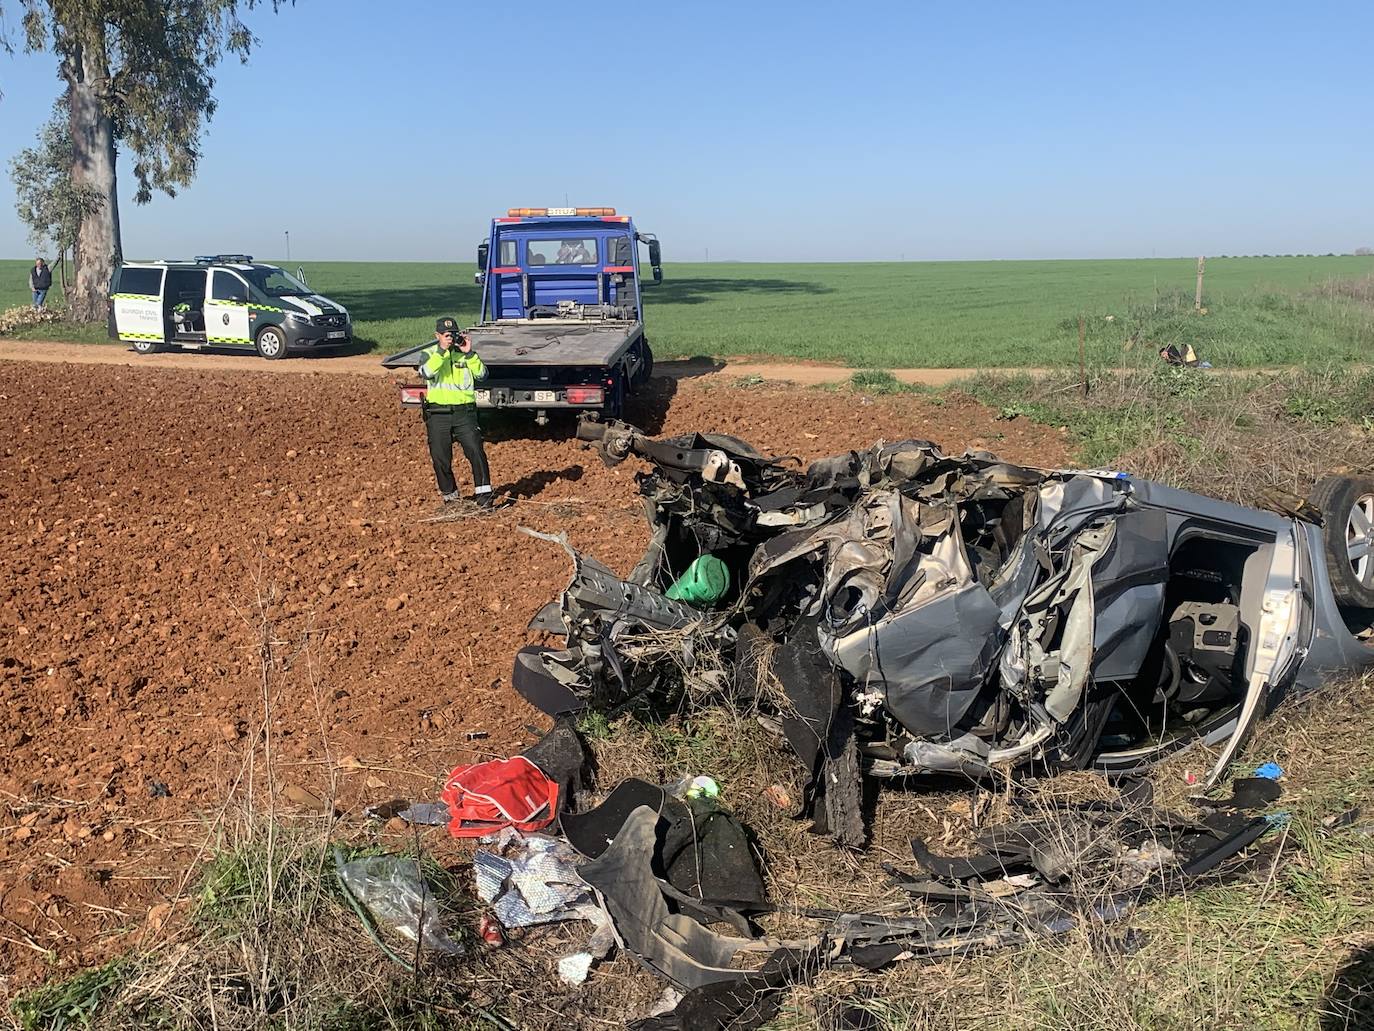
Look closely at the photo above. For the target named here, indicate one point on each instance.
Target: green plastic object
(705, 581)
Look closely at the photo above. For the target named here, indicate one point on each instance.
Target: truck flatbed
(537, 343)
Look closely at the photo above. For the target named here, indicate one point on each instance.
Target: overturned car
(900, 611)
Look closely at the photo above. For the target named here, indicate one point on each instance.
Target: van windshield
(274, 282)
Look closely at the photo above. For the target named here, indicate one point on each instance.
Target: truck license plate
(337, 334)
(546, 396)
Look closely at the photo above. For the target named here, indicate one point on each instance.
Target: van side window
(228, 287)
(146, 281)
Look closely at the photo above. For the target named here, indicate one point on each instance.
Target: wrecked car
(899, 611)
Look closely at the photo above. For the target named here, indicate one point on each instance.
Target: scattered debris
(396, 895)
(1269, 771)
(489, 796)
(530, 879)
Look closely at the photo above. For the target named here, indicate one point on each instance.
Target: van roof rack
(223, 259)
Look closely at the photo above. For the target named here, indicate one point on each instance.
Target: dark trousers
(443, 425)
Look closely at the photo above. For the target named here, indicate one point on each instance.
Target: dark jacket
(40, 278)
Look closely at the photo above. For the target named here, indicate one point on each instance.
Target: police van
(221, 300)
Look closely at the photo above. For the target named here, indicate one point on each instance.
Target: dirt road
(161, 530)
(225, 360)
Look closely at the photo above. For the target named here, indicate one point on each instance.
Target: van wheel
(1347, 507)
(147, 346)
(271, 342)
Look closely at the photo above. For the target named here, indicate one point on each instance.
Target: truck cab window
(506, 257)
(618, 251)
(572, 251)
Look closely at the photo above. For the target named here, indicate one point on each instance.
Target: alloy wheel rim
(1359, 539)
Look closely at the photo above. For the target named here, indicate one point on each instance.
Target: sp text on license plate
(546, 396)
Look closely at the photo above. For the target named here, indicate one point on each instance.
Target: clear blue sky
(774, 130)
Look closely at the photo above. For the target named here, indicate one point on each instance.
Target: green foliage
(47, 200)
(158, 61)
(876, 381)
(70, 1003)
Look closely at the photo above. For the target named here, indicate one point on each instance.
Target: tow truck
(561, 325)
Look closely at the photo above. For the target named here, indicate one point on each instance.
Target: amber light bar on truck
(541, 212)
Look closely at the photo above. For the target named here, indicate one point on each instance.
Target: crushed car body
(904, 612)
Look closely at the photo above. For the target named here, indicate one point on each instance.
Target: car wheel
(271, 342)
(147, 346)
(1347, 507)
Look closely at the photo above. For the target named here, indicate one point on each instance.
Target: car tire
(1346, 504)
(271, 342)
(147, 346)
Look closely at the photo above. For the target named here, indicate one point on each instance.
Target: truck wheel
(646, 363)
(1347, 507)
(147, 346)
(271, 342)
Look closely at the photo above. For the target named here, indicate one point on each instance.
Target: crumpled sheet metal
(530, 879)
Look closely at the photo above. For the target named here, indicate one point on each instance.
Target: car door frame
(227, 322)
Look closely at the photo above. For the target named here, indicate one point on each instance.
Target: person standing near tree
(451, 368)
(40, 281)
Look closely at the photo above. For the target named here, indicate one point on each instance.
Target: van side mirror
(482, 256)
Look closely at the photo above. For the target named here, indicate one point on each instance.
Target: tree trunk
(97, 251)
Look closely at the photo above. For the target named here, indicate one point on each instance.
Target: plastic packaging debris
(397, 896)
(430, 814)
(575, 966)
(703, 787)
(704, 583)
(490, 931)
(1269, 771)
(531, 879)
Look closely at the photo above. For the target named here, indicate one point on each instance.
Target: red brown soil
(158, 525)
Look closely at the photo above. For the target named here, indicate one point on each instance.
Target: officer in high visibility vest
(450, 368)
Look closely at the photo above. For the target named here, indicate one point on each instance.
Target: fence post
(1197, 297)
(1082, 356)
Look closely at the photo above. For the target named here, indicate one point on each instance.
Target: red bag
(499, 793)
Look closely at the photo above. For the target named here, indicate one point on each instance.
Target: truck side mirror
(482, 256)
(656, 261)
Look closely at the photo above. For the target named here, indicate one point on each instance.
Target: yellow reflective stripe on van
(227, 340)
(135, 297)
(140, 336)
(250, 304)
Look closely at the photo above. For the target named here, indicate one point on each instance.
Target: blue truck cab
(562, 322)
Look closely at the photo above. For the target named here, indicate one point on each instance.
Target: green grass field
(1261, 311)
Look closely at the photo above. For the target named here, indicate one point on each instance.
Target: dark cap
(447, 325)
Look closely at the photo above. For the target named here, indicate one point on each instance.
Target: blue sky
(774, 131)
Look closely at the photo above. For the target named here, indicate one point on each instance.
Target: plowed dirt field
(191, 558)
